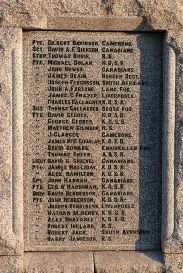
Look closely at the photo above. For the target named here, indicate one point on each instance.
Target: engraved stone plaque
(92, 140)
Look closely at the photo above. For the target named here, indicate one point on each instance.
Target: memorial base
(89, 262)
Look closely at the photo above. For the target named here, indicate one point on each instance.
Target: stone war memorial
(91, 146)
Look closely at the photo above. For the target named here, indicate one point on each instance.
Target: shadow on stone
(144, 25)
(150, 163)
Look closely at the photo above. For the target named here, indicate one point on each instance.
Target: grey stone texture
(136, 15)
(11, 264)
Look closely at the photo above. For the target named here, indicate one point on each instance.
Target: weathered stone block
(57, 262)
(129, 262)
